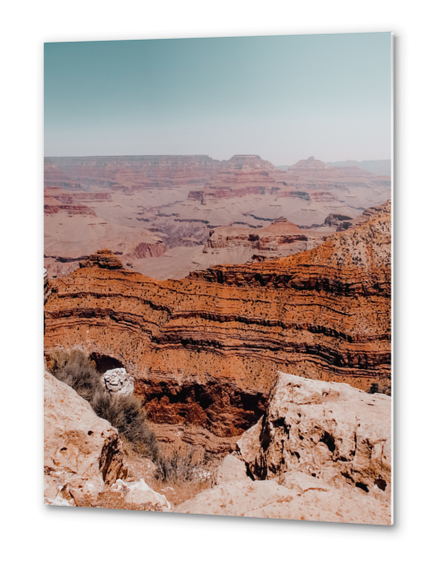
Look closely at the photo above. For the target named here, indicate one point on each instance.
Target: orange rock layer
(323, 314)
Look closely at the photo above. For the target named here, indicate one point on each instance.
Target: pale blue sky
(283, 97)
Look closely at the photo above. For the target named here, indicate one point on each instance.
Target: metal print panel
(217, 286)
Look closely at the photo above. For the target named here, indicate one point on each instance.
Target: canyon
(196, 285)
(158, 212)
(204, 350)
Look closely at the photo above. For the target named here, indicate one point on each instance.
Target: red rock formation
(57, 200)
(323, 196)
(248, 162)
(293, 193)
(239, 244)
(130, 172)
(324, 314)
(103, 259)
(180, 197)
(56, 176)
(314, 174)
(145, 250)
(196, 195)
(70, 209)
(73, 197)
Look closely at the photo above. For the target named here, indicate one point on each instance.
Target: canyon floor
(250, 310)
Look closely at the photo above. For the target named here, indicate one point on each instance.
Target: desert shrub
(374, 388)
(180, 465)
(76, 370)
(125, 413)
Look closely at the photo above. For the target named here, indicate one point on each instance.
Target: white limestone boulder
(325, 429)
(118, 381)
(140, 494)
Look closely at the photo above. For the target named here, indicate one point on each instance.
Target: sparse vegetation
(374, 388)
(180, 465)
(75, 369)
(126, 414)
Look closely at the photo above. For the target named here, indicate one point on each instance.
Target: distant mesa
(309, 163)
(377, 167)
(249, 161)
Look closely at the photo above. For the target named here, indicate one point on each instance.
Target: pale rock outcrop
(118, 381)
(243, 498)
(231, 469)
(321, 452)
(324, 429)
(140, 494)
(306, 498)
(82, 453)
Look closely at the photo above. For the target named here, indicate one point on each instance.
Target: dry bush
(175, 492)
(184, 464)
(125, 413)
(76, 370)
(182, 467)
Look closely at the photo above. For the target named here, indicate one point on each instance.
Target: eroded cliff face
(74, 230)
(204, 350)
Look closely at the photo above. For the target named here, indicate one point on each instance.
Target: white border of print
(29, 528)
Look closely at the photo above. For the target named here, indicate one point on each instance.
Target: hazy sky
(283, 97)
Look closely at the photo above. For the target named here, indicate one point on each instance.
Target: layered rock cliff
(204, 350)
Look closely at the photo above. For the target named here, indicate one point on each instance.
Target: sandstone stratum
(204, 351)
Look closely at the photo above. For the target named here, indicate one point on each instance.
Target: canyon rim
(217, 301)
